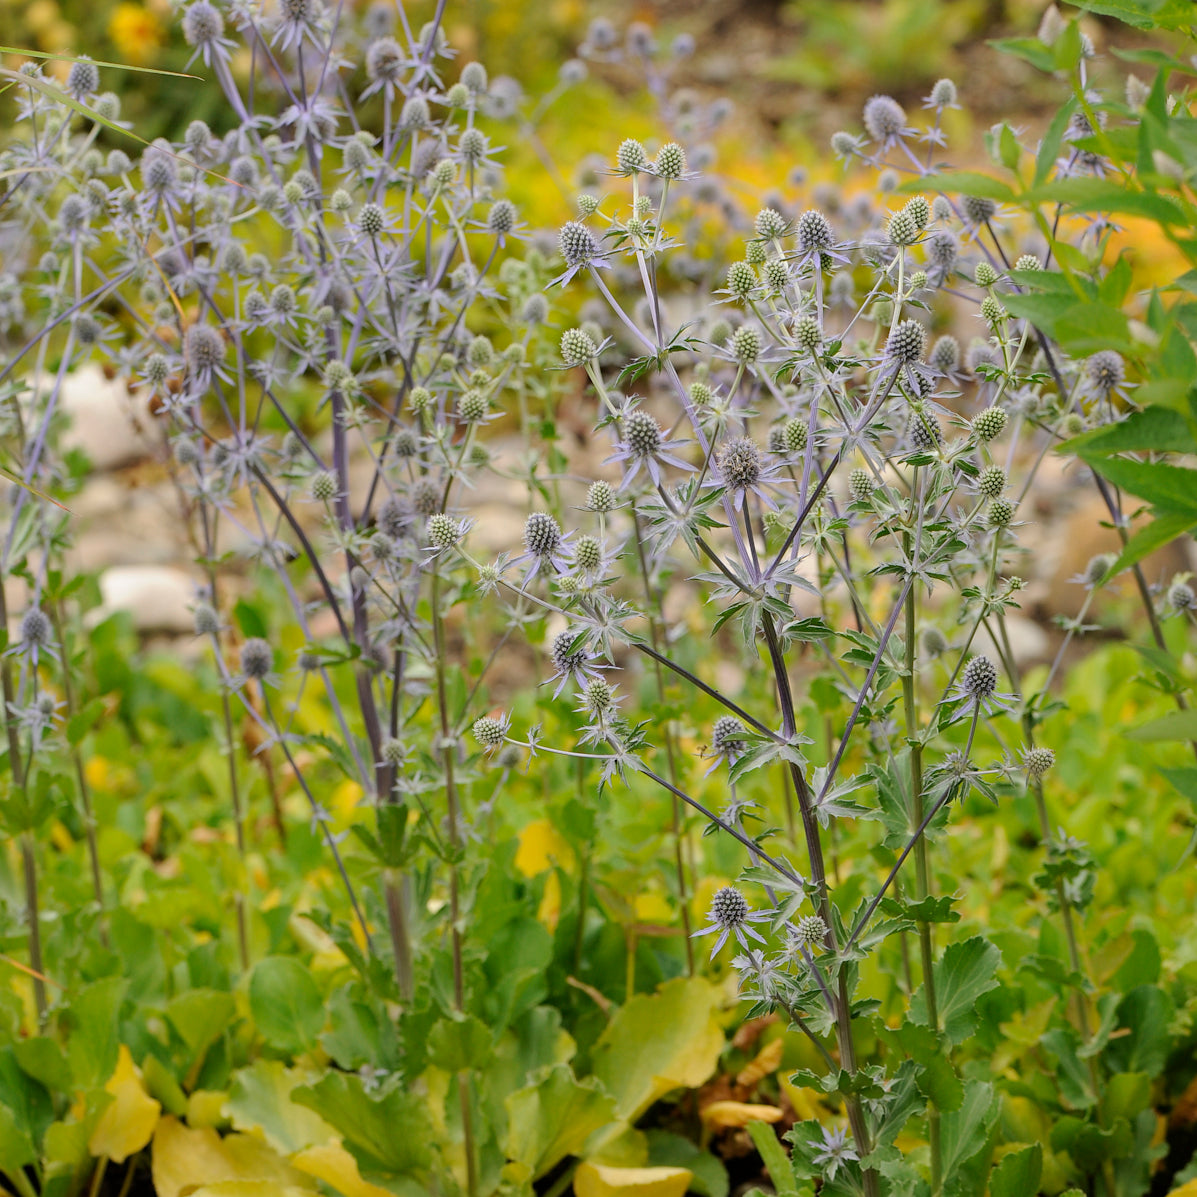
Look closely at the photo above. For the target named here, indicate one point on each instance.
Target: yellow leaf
(653, 908)
(805, 1101)
(205, 1107)
(541, 847)
(767, 1060)
(345, 799)
(184, 1159)
(1188, 1189)
(248, 1188)
(719, 1115)
(331, 1163)
(700, 900)
(667, 1040)
(126, 1125)
(549, 911)
(598, 1180)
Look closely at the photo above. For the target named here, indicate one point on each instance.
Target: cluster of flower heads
(812, 411)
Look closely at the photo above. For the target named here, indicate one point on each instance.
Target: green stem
(447, 762)
(921, 865)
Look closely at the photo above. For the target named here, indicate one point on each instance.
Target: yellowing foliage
(126, 1125)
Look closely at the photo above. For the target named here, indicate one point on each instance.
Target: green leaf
(28, 1099)
(43, 1060)
(936, 1079)
(1154, 429)
(659, 1042)
(777, 1163)
(1172, 489)
(962, 974)
(1184, 780)
(965, 1132)
(83, 720)
(456, 1044)
(1029, 49)
(965, 182)
(675, 1151)
(16, 1148)
(1176, 725)
(1146, 1012)
(260, 1101)
(93, 1045)
(1018, 1174)
(1097, 195)
(389, 1134)
(553, 1118)
(1127, 1095)
(1154, 536)
(200, 1017)
(286, 1004)
(1142, 14)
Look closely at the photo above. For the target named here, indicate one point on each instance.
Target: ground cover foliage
(702, 831)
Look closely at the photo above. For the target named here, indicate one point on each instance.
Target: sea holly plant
(487, 808)
(828, 473)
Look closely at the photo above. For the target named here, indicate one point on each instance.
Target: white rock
(159, 597)
(102, 419)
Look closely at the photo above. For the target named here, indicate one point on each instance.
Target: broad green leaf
(27, 1099)
(1143, 14)
(42, 1059)
(964, 182)
(1146, 1012)
(1127, 1095)
(965, 1132)
(200, 1016)
(962, 974)
(389, 1133)
(553, 1118)
(1184, 780)
(260, 1100)
(456, 1044)
(287, 1007)
(1176, 725)
(1171, 489)
(1029, 49)
(1018, 1173)
(1154, 536)
(710, 1176)
(1097, 195)
(161, 1085)
(659, 1042)
(1154, 429)
(94, 1017)
(16, 1148)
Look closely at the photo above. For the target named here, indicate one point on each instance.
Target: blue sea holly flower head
(834, 1152)
(729, 916)
(644, 444)
(742, 469)
(203, 28)
(729, 741)
(885, 121)
(544, 545)
(579, 249)
(571, 660)
(978, 686)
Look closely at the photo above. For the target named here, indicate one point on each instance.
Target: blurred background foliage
(796, 70)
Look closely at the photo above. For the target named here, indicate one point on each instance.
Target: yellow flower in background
(541, 847)
(136, 32)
